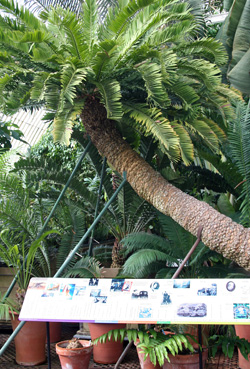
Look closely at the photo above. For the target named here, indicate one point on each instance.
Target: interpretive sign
(206, 301)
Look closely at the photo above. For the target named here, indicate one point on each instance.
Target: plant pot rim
(85, 344)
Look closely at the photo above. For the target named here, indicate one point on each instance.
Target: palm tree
(141, 68)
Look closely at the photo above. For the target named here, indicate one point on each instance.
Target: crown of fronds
(142, 62)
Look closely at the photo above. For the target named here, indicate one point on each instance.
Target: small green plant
(22, 259)
(155, 344)
(228, 343)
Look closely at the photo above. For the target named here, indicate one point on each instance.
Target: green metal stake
(52, 211)
(70, 256)
(97, 206)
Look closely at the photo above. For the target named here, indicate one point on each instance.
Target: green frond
(202, 129)
(174, 33)
(76, 44)
(111, 98)
(185, 92)
(103, 59)
(202, 70)
(73, 74)
(239, 135)
(64, 121)
(87, 267)
(125, 14)
(207, 48)
(138, 264)
(154, 123)
(151, 74)
(90, 22)
(142, 240)
(185, 142)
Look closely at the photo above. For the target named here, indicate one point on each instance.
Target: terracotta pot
(243, 331)
(110, 351)
(55, 329)
(30, 342)
(186, 361)
(75, 358)
(145, 364)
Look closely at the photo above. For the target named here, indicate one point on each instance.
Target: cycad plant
(142, 67)
(24, 261)
(150, 255)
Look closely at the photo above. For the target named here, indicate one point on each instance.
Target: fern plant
(156, 345)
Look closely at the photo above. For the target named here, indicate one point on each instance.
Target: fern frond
(73, 74)
(90, 22)
(151, 74)
(111, 98)
(64, 121)
(186, 146)
(154, 123)
(239, 135)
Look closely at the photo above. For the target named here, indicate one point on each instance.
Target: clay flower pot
(189, 361)
(243, 331)
(145, 364)
(110, 351)
(74, 358)
(30, 342)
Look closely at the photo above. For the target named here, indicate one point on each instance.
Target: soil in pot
(189, 361)
(74, 358)
(145, 364)
(30, 342)
(110, 351)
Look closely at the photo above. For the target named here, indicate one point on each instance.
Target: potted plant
(227, 343)
(156, 345)
(22, 259)
(74, 354)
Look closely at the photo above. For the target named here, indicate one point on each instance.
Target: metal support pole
(48, 345)
(176, 274)
(200, 348)
(97, 206)
(52, 211)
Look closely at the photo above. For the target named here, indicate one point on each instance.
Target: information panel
(170, 301)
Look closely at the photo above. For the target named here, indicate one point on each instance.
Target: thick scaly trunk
(219, 233)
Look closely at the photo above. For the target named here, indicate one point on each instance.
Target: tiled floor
(7, 361)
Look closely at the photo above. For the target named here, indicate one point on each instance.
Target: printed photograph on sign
(93, 282)
(67, 290)
(117, 285)
(37, 285)
(230, 286)
(166, 300)
(210, 290)
(155, 286)
(136, 294)
(127, 286)
(145, 312)
(241, 311)
(47, 294)
(192, 310)
(53, 287)
(181, 284)
(94, 293)
(80, 290)
(102, 299)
